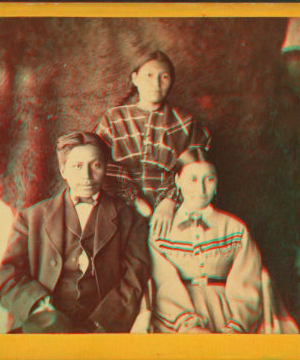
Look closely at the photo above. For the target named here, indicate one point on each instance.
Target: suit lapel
(105, 226)
(72, 221)
(54, 221)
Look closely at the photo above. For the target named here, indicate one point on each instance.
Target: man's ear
(134, 78)
(62, 171)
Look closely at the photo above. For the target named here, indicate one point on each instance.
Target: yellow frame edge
(149, 347)
(149, 9)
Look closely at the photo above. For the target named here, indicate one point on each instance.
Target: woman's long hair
(142, 60)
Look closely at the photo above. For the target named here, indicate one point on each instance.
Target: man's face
(84, 170)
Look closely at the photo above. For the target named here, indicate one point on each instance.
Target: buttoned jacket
(33, 262)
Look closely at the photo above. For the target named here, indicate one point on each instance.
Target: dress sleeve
(198, 138)
(118, 179)
(174, 310)
(104, 129)
(244, 289)
(169, 190)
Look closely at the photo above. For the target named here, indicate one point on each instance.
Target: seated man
(77, 262)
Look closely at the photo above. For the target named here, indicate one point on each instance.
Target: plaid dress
(145, 146)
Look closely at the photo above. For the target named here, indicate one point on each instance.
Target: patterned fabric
(145, 146)
(209, 278)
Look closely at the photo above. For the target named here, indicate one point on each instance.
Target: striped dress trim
(213, 244)
(181, 319)
(222, 242)
(175, 245)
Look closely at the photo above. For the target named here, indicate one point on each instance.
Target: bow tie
(84, 200)
(194, 219)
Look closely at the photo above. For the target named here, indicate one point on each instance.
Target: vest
(77, 294)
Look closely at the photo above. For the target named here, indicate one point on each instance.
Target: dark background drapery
(61, 74)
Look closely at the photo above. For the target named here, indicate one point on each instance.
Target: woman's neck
(190, 206)
(148, 106)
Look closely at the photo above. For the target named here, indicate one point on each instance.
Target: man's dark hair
(67, 142)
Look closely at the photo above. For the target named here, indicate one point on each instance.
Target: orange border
(149, 9)
(149, 346)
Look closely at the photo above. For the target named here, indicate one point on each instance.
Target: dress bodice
(205, 247)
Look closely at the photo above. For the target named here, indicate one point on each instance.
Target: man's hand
(162, 218)
(47, 322)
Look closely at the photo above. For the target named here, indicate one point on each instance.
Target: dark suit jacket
(33, 262)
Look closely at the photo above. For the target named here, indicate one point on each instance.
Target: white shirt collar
(73, 196)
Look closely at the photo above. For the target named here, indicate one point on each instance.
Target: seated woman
(207, 272)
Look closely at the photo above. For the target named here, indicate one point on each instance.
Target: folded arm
(174, 309)
(19, 291)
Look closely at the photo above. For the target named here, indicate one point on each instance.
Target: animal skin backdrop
(61, 74)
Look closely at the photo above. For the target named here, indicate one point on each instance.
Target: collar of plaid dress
(194, 219)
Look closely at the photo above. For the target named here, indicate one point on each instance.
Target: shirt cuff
(43, 304)
(99, 328)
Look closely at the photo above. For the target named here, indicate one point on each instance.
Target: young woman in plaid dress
(146, 139)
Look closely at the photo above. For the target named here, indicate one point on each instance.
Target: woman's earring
(216, 192)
